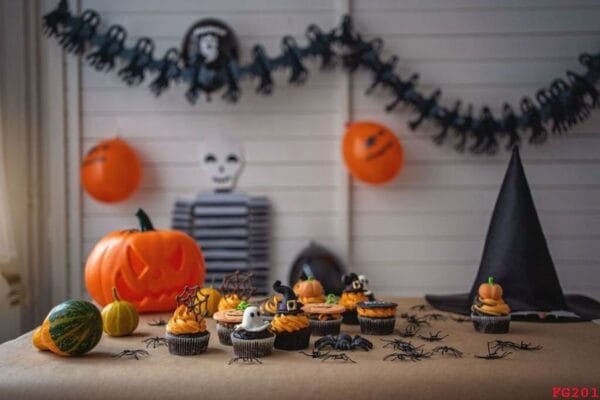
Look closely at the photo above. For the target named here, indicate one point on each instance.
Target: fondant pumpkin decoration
(308, 288)
(120, 317)
(211, 305)
(71, 328)
(372, 152)
(148, 267)
(490, 290)
(111, 171)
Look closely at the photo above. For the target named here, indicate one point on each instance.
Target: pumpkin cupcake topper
(239, 284)
(290, 303)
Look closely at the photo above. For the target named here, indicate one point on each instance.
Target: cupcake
(325, 318)
(236, 287)
(352, 295)
(186, 330)
(489, 312)
(226, 321)
(268, 308)
(252, 338)
(290, 325)
(310, 291)
(376, 317)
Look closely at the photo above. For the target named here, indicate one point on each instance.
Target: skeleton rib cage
(233, 231)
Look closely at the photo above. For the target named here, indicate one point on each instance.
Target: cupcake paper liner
(224, 334)
(187, 345)
(293, 340)
(350, 317)
(376, 326)
(252, 347)
(323, 328)
(491, 324)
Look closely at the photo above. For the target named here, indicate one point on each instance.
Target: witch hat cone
(517, 256)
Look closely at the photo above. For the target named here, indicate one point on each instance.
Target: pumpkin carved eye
(138, 266)
(175, 261)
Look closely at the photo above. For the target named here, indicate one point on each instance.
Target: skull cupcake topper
(252, 321)
(222, 159)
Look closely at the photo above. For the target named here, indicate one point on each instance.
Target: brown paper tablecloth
(570, 357)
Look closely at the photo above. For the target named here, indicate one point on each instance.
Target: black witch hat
(289, 304)
(322, 264)
(516, 255)
(352, 282)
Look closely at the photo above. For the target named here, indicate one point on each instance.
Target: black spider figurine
(414, 321)
(433, 337)
(155, 342)
(157, 322)
(409, 331)
(416, 355)
(131, 354)
(244, 360)
(324, 356)
(343, 341)
(448, 350)
(501, 344)
(399, 344)
(492, 354)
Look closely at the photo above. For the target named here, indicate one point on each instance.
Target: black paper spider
(501, 344)
(157, 322)
(433, 337)
(435, 317)
(448, 350)
(492, 354)
(155, 341)
(343, 341)
(409, 331)
(245, 360)
(131, 354)
(399, 344)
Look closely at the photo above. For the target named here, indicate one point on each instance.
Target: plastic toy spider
(414, 321)
(131, 354)
(492, 355)
(155, 341)
(343, 341)
(435, 317)
(399, 344)
(433, 337)
(448, 350)
(244, 360)
(409, 331)
(411, 356)
(501, 344)
(324, 356)
(157, 322)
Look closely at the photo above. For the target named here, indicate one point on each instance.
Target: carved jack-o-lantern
(372, 152)
(148, 267)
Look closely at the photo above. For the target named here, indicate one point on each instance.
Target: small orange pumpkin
(309, 288)
(111, 171)
(148, 267)
(490, 290)
(213, 297)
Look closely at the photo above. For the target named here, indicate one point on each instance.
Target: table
(570, 357)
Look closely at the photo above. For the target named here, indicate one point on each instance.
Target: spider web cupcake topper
(194, 301)
(238, 283)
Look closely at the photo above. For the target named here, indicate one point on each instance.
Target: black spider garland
(561, 106)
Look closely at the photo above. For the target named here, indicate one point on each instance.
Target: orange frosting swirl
(329, 317)
(349, 299)
(184, 322)
(492, 307)
(377, 312)
(312, 300)
(289, 323)
(269, 306)
(229, 302)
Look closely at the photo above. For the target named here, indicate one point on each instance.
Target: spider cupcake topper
(194, 300)
(239, 284)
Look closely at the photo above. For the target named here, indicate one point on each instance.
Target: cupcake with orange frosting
(489, 312)
(309, 291)
(351, 296)
(376, 317)
(325, 318)
(268, 308)
(236, 287)
(290, 325)
(186, 331)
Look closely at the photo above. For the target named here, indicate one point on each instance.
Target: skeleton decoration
(365, 284)
(252, 321)
(209, 61)
(222, 160)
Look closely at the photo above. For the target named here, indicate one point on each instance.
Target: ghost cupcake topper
(252, 321)
(222, 160)
(290, 303)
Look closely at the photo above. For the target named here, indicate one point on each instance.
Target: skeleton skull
(209, 47)
(222, 159)
(365, 284)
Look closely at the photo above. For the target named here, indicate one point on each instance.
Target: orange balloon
(111, 171)
(372, 152)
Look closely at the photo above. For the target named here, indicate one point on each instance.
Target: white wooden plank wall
(424, 232)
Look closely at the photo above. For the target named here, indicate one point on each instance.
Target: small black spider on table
(492, 354)
(155, 342)
(433, 337)
(132, 354)
(448, 350)
(244, 360)
(501, 344)
(409, 331)
(343, 341)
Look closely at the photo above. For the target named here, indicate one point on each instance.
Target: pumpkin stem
(115, 294)
(491, 281)
(144, 219)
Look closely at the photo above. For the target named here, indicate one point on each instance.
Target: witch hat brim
(517, 256)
